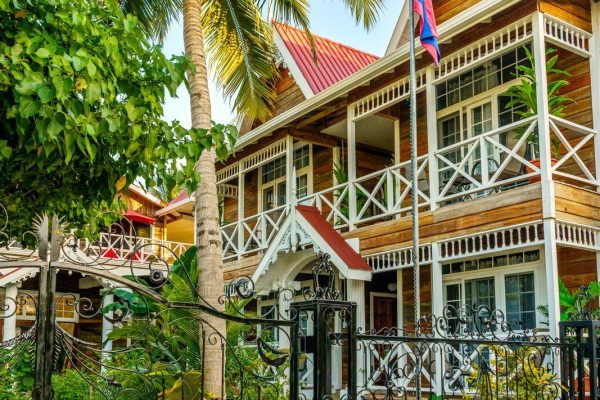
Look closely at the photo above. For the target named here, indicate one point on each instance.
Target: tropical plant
(172, 338)
(81, 111)
(506, 372)
(524, 96)
(341, 177)
(580, 304)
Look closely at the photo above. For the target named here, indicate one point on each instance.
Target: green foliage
(513, 372)
(579, 305)
(525, 94)
(341, 177)
(81, 110)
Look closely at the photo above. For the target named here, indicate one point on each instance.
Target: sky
(329, 18)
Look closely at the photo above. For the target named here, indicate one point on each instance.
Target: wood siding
(575, 12)
(577, 205)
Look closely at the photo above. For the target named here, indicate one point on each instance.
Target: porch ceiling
(375, 130)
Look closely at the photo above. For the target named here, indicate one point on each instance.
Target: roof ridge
(327, 39)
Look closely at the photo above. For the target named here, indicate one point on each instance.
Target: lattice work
(501, 40)
(387, 96)
(509, 238)
(397, 259)
(580, 236)
(566, 35)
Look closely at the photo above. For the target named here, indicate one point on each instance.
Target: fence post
(294, 353)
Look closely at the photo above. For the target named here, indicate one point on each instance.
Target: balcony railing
(456, 170)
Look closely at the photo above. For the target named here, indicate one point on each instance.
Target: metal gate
(160, 340)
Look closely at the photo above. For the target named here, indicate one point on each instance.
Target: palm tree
(237, 40)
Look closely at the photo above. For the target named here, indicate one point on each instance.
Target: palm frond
(154, 16)
(241, 52)
(366, 12)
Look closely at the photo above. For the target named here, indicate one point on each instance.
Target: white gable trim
(292, 66)
(398, 30)
(297, 234)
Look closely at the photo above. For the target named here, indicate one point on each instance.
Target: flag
(428, 28)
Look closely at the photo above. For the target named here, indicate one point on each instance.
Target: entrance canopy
(304, 233)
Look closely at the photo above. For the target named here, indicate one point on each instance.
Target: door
(385, 315)
(385, 312)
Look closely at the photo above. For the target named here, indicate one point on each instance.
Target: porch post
(336, 351)
(107, 326)
(351, 129)
(437, 307)
(432, 139)
(356, 294)
(548, 201)
(240, 213)
(289, 168)
(10, 322)
(595, 83)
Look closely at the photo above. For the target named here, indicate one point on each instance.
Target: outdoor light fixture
(392, 286)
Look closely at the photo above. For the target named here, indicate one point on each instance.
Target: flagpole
(415, 197)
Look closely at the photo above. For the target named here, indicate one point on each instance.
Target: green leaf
(42, 52)
(30, 83)
(78, 63)
(133, 112)
(29, 107)
(56, 124)
(46, 94)
(93, 92)
(69, 147)
(63, 86)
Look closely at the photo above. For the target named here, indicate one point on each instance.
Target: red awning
(137, 217)
(337, 243)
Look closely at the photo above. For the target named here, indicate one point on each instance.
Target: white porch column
(289, 168)
(356, 293)
(595, 83)
(10, 323)
(107, 326)
(432, 139)
(548, 201)
(336, 351)
(351, 130)
(240, 213)
(437, 309)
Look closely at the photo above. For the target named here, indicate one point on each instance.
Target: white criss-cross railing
(333, 204)
(464, 174)
(573, 138)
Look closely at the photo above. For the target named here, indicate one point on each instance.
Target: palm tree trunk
(208, 234)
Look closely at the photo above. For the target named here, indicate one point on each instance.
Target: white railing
(252, 234)
(464, 176)
(573, 138)
(333, 204)
(130, 248)
(566, 35)
(388, 192)
(576, 235)
(501, 239)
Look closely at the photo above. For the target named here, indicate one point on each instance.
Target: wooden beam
(319, 138)
(320, 114)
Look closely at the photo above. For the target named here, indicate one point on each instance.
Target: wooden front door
(385, 312)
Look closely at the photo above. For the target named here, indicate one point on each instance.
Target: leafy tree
(81, 107)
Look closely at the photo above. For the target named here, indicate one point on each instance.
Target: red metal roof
(351, 258)
(138, 217)
(335, 61)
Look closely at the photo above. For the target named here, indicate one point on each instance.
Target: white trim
(399, 29)
(479, 12)
(567, 36)
(173, 207)
(58, 295)
(388, 295)
(292, 66)
(595, 84)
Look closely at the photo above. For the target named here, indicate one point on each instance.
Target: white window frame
(275, 182)
(499, 274)
(34, 295)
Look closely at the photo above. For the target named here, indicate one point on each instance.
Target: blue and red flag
(428, 28)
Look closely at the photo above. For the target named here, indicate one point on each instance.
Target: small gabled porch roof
(303, 228)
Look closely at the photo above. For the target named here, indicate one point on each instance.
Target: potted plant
(523, 97)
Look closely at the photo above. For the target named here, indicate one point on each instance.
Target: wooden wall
(576, 267)
(576, 12)
(577, 205)
(503, 209)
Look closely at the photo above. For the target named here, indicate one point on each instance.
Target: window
(520, 299)
(480, 79)
(273, 178)
(65, 307)
(513, 283)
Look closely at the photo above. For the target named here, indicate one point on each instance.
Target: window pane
(520, 300)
